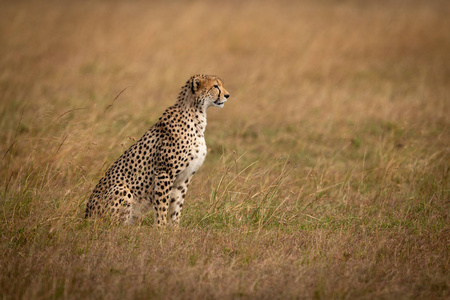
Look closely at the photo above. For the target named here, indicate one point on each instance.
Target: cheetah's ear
(196, 81)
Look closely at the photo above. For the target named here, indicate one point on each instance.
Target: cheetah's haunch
(157, 169)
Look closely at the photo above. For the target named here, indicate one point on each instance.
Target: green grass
(327, 174)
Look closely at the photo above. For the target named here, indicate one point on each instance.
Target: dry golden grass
(327, 174)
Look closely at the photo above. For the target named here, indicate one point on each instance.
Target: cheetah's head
(209, 90)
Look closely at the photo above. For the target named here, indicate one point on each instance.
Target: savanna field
(327, 174)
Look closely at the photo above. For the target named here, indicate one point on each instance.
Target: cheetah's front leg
(176, 200)
(163, 187)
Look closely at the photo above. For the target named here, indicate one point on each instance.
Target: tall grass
(327, 174)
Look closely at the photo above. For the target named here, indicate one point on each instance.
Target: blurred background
(306, 64)
(285, 62)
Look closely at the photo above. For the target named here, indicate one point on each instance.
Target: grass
(327, 174)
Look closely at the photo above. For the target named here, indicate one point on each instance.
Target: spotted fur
(157, 169)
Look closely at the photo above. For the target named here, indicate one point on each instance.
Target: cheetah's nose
(226, 96)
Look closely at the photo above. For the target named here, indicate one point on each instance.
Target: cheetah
(157, 169)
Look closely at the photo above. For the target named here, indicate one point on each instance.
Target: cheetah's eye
(216, 86)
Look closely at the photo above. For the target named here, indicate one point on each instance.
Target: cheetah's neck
(194, 110)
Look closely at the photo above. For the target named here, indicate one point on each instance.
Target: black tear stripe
(192, 86)
(218, 98)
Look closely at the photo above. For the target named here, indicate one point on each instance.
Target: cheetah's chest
(195, 160)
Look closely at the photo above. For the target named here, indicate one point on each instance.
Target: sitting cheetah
(157, 169)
